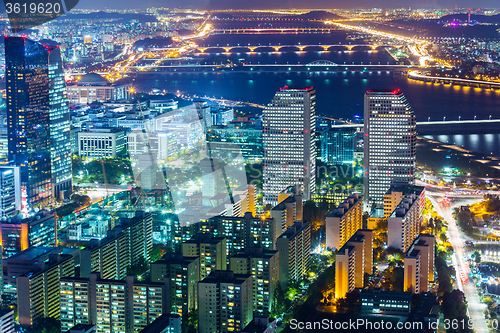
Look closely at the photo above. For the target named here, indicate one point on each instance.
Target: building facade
(183, 274)
(405, 220)
(17, 235)
(7, 321)
(344, 221)
(28, 112)
(289, 139)
(385, 302)
(264, 267)
(112, 305)
(94, 88)
(101, 142)
(38, 289)
(60, 127)
(337, 145)
(166, 323)
(225, 302)
(127, 244)
(212, 252)
(224, 139)
(294, 247)
(419, 265)
(352, 262)
(10, 191)
(288, 210)
(389, 144)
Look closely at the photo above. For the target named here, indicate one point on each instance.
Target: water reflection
(483, 143)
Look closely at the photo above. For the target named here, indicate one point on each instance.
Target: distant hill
(157, 42)
(119, 17)
(473, 17)
(320, 15)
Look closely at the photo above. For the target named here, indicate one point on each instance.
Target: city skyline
(319, 4)
(182, 171)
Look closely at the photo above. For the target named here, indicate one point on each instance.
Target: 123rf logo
(27, 14)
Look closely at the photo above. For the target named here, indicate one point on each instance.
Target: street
(475, 307)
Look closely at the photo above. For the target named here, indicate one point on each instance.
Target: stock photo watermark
(27, 14)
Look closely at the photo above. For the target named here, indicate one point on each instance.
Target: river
(339, 94)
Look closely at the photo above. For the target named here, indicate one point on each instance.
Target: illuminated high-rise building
(212, 252)
(337, 145)
(10, 191)
(343, 222)
(289, 128)
(225, 302)
(183, 274)
(37, 118)
(112, 305)
(389, 143)
(294, 247)
(60, 128)
(17, 235)
(264, 266)
(353, 261)
(38, 289)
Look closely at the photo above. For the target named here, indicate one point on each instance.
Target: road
(475, 307)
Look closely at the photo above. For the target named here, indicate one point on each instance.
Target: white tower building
(390, 137)
(289, 140)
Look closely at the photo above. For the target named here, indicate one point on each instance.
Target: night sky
(263, 4)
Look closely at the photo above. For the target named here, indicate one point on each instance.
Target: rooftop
(225, 277)
(405, 189)
(344, 207)
(282, 205)
(295, 229)
(36, 253)
(377, 212)
(93, 79)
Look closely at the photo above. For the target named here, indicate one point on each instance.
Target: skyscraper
(390, 137)
(38, 117)
(337, 145)
(288, 125)
(60, 129)
(10, 191)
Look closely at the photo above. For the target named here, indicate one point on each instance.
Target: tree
(46, 325)
(140, 267)
(454, 307)
(352, 298)
(465, 219)
(477, 257)
(158, 251)
(394, 277)
(192, 322)
(279, 302)
(311, 214)
(443, 238)
(487, 300)
(81, 200)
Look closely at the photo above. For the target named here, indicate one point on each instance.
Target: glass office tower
(38, 118)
